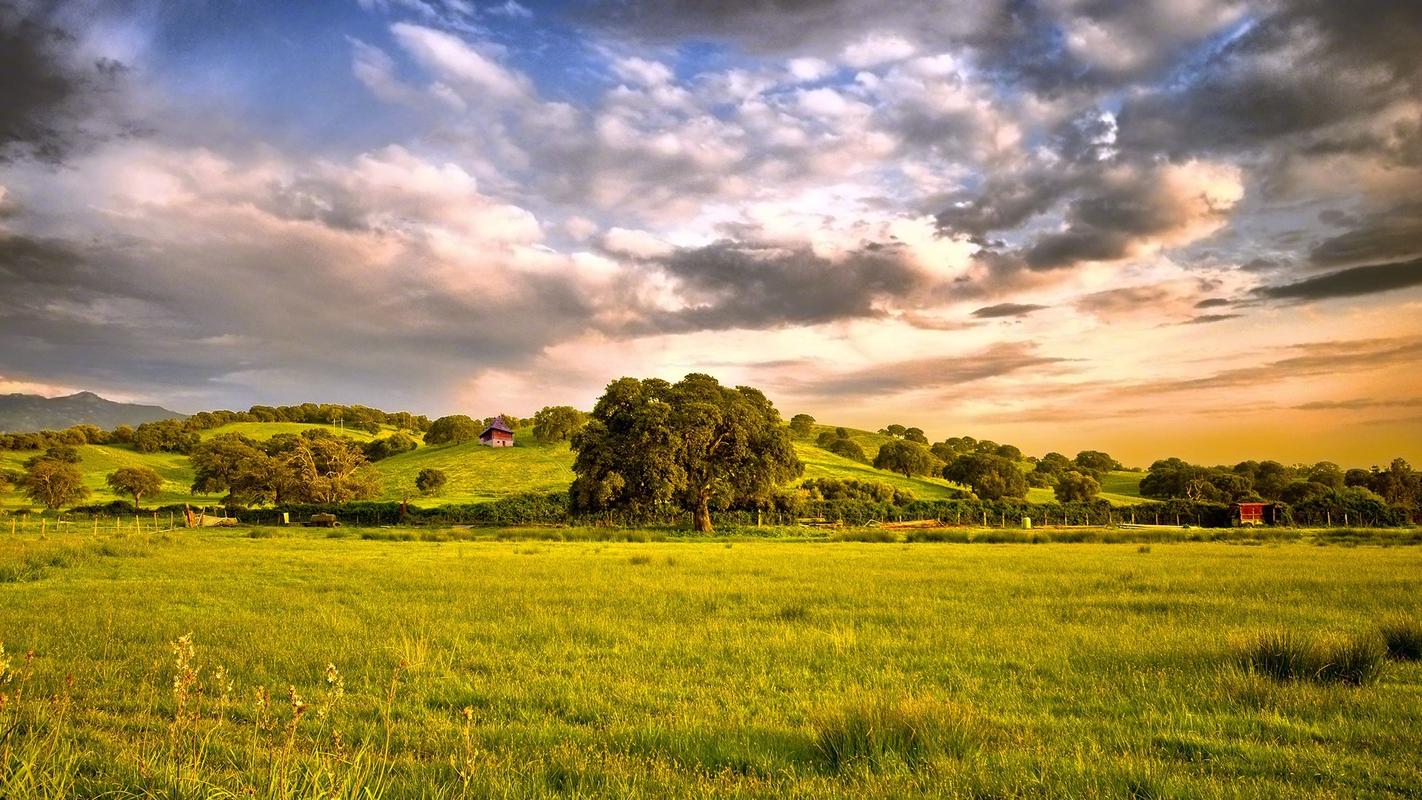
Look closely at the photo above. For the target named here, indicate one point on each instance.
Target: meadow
(356, 663)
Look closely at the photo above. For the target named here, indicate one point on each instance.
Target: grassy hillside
(1122, 487)
(477, 473)
(266, 430)
(824, 464)
(97, 461)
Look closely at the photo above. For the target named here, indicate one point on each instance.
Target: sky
(1160, 228)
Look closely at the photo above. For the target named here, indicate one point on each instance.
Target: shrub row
(546, 509)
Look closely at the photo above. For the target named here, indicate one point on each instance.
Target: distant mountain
(24, 413)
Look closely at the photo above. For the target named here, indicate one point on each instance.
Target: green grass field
(477, 474)
(690, 669)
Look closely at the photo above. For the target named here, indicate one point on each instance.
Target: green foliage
(801, 425)
(1174, 478)
(695, 444)
(1096, 461)
(53, 483)
(453, 429)
(63, 453)
(557, 423)
(392, 445)
(136, 482)
(991, 477)
(851, 489)
(169, 436)
(848, 448)
(906, 458)
(315, 467)
(1076, 487)
(430, 481)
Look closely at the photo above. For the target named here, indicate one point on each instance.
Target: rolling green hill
(266, 430)
(478, 474)
(97, 461)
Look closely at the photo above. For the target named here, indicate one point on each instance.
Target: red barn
(498, 434)
(1254, 513)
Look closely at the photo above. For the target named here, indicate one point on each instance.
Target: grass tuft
(1288, 656)
(1403, 638)
(877, 735)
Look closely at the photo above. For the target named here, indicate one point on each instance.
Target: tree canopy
(694, 445)
(315, 467)
(136, 482)
(453, 429)
(991, 477)
(557, 423)
(430, 481)
(802, 425)
(54, 483)
(1076, 487)
(906, 457)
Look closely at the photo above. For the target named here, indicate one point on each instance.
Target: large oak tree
(693, 445)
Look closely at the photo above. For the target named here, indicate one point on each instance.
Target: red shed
(498, 434)
(1254, 513)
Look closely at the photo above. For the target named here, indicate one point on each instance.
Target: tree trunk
(135, 503)
(701, 520)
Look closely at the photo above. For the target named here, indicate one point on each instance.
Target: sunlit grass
(683, 668)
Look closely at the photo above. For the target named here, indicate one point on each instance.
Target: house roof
(498, 425)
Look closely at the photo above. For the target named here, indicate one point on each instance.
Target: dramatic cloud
(50, 95)
(1006, 310)
(828, 198)
(741, 285)
(1396, 232)
(1352, 282)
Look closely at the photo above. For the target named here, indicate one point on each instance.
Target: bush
(847, 448)
(1287, 656)
(1403, 639)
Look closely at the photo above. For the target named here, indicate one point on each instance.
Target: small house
(1254, 514)
(497, 434)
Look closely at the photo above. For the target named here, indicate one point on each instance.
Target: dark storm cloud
(926, 373)
(48, 95)
(1394, 233)
(1264, 264)
(746, 285)
(1006, 310)
(1354, 282)
(1205, 319)
(1213, 302)
(1344, 61)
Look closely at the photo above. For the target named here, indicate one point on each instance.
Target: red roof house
(498, 434)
